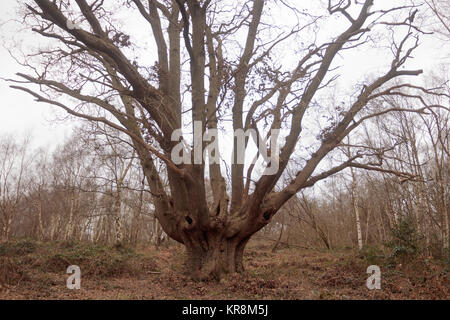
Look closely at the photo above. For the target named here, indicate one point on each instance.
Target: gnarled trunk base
(210, 261)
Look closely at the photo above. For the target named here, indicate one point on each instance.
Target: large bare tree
(235, 74)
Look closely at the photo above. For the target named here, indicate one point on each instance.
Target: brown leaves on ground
(30, 270)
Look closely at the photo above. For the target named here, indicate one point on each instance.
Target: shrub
(96, 260)
(405, 243)
(17, 248)
(371, 254)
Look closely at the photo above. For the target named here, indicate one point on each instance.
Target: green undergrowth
(20, 259)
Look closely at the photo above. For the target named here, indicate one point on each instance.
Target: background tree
(14, 159)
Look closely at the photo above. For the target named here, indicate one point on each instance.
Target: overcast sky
(20, 115)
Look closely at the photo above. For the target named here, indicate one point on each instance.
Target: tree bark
(356, 209)
(208, 261)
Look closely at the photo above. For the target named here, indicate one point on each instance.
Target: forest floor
(34, 270)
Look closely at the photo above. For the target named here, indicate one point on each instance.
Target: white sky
(20, 115)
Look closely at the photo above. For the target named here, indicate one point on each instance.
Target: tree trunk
(39, 207)
(275, 247)
(356, 209)
(207, 261)
(69, 226)
(117, 219)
